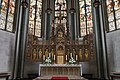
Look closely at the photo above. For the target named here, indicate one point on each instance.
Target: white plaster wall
(113, 48)
(6, 51)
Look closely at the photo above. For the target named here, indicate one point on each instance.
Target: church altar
(68, 76)
(49, 71)
(60, 69)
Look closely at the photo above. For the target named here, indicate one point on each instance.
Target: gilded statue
(60, 34)
(86, 54)
(40, 54)
(74, 53)
(34, 54)
(80, 54)
(52, 52)
(46, 53)
(68, 52)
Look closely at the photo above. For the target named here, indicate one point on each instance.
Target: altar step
(70, 77)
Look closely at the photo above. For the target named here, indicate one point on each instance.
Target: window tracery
(7, 8)
(113, 11)
(35, 17)
(86, 24)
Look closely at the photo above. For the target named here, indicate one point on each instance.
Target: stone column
(48, 20)
(101, 50)
(72, 18)
(21, 34)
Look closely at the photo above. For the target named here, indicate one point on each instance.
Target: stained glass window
(35, 17)
(113, 11)
(7, 8)
(60, 12)
(86, 25)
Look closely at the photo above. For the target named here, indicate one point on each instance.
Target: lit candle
(76, 57)
(54, 57)
(66, 57)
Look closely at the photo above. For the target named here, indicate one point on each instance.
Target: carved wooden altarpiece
(60, 47)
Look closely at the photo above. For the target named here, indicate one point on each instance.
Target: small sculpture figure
(52, 52)
(74, 53)
(40, 54)
(34, 54)
(46, 53)
(86, 54)
(80, 54)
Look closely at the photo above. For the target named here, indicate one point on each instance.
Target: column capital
(24, 4)
(96, 3)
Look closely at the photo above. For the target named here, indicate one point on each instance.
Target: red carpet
(59, 78)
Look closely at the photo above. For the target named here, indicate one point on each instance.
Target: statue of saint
(86, 54)
(40, 54)
(34, 54)
(80, 54)
(60, 34)
(68, 53)
(46, 53)
(74, 53)
(52, 52)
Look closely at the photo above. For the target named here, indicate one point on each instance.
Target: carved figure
(86, 54)
(46, 53)
(34, 54)
(40, 53)
(80, 54)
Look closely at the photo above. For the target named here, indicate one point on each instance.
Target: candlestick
(43, 57)
(80, 69)
(76, 57)
(66, 58)
(71, 55)
(49, 55)
(54, 57)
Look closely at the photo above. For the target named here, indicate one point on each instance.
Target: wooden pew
(4, 75)
(115, 75)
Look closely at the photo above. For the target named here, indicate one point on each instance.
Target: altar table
(60, 69)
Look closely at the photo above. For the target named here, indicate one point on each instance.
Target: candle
(71, 55)
(49, 55)
(66, 58)
(43, 57)
(54, 57)
(76, 57)
(81, 69)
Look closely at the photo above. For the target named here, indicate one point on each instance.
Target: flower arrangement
(72, 61)
(48, 61)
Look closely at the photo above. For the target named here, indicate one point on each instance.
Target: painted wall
(6, 51)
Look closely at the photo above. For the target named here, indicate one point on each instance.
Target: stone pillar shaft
(101, 50)
(21, 34)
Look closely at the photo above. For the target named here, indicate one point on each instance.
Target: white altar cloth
(60, 66)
